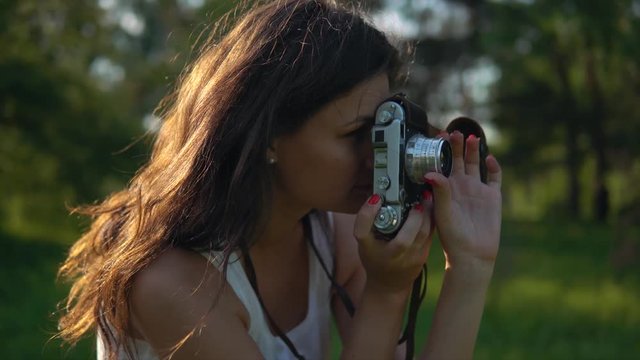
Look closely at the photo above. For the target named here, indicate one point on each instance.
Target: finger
(362, 228)
(443, 135)
(456, 139)
(494, 172)
(441, 192)
(423, 243)
(406, 237)
(472, 157)
(427, 202)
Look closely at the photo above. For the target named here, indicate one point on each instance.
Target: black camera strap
(340, 291)
(418, 293)
(251, 275)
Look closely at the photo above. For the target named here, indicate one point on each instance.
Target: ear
(272, 151)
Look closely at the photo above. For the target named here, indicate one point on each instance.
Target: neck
(284, 227)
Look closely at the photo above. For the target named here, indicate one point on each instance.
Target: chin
(351, 205)
(343, 210)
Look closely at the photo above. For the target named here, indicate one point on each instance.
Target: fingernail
(426, 195)
(472, 137)
(429, 181)
(374, 199)
(418, 207)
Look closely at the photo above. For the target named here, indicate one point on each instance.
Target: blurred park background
(556, 83)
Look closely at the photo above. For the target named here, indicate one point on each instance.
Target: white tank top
(310, 337)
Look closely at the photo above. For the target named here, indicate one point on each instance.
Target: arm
(458, 313)
(468, 217)
(351, 274)
(172, 298)
(380, 297)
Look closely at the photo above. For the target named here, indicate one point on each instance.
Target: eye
(361, 132)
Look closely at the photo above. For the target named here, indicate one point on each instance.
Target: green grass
(554, 295)
(29, 294)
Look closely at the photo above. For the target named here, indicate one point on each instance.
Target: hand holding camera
(467, 211)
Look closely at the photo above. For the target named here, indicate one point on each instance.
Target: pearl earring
(272, 161)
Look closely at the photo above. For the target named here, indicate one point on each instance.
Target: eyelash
(360, 132)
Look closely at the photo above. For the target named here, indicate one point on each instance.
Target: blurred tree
(57, 127)
(76, 81)
(569, 77)
(79, 82)
(446, 54)
(566, 82)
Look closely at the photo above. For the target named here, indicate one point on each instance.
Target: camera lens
(425, 155)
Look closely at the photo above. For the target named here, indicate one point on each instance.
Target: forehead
(362, 100)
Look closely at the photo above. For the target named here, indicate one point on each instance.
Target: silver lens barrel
(425, 155)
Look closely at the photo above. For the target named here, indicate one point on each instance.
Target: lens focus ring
(425, 155)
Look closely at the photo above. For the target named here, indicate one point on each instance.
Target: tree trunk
(569, 114)
(597, 138)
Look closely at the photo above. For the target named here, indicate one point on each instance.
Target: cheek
(340, 161)
(334, 168)
(322, 174)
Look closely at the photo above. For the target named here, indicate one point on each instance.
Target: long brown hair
(207, 183)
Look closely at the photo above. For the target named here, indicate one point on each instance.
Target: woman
(225, 244)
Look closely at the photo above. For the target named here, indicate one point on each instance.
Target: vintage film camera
(403, 153)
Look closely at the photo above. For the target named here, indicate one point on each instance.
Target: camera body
(402, 155)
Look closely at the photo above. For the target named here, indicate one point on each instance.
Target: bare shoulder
(171, 273)
(181, 292)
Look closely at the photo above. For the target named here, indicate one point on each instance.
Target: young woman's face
(327, 163)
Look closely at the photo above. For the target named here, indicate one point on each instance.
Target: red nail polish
(426, 195)
(418, 207)
(374, 199)
(472, 137)
(430, 182)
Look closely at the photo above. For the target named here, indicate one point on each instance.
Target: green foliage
(568, 88)
(75, 86)
(29, 296)
(556, 295)
(58, 128)
(565, 98)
